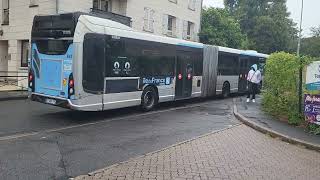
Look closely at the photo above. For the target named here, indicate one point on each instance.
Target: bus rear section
(50, 73)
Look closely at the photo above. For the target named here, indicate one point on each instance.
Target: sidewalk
(11, 92)
(255, 116)
(13, 95)
(238, 152)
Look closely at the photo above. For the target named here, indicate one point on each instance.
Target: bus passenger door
(184, 75)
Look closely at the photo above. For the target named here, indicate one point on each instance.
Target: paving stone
(236, 153)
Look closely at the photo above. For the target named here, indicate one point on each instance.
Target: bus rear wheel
(149, 99)
(226, 90)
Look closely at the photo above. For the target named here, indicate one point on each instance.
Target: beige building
(174, 18)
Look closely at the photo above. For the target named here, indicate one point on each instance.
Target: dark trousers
(252, 90)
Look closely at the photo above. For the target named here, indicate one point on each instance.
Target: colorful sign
(313, 76)
(312, 108)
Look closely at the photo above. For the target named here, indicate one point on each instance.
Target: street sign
(312, 108)
(313, 76)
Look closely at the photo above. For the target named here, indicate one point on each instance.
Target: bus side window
(93, 63)
(127, 57)
(244, 66)
(198, 63)
(149, 59)
(116, 60)
(228, 65)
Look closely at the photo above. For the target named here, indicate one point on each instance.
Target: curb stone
(154, 152)
(273, 133)
(13, 95)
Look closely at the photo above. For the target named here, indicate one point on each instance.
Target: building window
(24, 53)
(103, 5)
(170, 24)
(188, 30)
(192, 4)
(148, 19)
(174, 1)
(34, 3)
(5, 12)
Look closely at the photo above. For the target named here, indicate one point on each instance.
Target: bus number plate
(51, 101)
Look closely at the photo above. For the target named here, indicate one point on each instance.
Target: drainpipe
(57, 6)
(200, 20)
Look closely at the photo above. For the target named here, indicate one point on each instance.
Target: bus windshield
(54, 26)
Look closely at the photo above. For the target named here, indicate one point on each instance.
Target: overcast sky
(311, 12)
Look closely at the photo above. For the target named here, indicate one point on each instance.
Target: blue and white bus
(87, 63)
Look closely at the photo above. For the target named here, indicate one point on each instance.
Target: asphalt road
(43, 142)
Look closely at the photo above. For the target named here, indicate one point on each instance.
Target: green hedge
(280, 97)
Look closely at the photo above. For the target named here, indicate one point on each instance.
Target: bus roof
(254, 53)
(115, 28)
(243, 52)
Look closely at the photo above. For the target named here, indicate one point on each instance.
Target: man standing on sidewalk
(254, 79)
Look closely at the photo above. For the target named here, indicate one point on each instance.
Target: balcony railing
(5, 17)
(112, 16)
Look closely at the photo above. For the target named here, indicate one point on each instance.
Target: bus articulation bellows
(88, 63)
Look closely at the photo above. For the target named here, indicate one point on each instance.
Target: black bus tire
(149, 99)
(226, 90)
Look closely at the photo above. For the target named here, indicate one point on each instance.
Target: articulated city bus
(87, 63)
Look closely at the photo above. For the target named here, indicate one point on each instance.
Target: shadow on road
(36, 117)
(79, 117)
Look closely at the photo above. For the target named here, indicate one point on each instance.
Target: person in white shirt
(254, 79)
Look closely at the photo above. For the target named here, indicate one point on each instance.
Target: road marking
(23, 135)
(17, 136)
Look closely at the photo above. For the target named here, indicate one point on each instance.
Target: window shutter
(165, 24)
(151, 20)
(145, 18)
(177, 28)
(194, 4)
(185, 29)
(193, 32)
(5, 4)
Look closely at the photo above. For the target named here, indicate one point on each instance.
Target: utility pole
(300, 30)
(298, 54)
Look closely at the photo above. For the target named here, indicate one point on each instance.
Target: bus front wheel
(149, 98)
(226, 90)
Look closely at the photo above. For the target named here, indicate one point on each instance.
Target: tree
(231, 5)
(315, 31)
(218, 27)
(311, 46)
(265, 22)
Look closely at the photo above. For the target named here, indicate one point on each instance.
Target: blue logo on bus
(168, 80)
(157, 80)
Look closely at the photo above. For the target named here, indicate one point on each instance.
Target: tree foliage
(218, 27)
(265, 22)
(315, 31)
(231, 5)
(310, 46)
